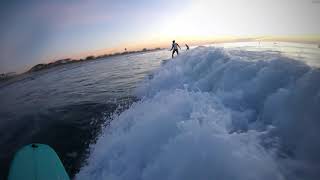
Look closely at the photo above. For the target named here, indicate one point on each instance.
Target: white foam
(216, 114)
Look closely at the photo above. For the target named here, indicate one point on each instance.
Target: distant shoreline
(59, 62)
(44, 66)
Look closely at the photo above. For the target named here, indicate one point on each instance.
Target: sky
(40, 31)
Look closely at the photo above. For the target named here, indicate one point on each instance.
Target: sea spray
(216, 114)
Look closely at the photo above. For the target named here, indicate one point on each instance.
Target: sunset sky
(36, 31)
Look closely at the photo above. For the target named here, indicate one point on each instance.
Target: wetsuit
(175, 48)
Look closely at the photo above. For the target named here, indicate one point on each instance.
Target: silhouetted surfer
(187, 47)
(175, 48)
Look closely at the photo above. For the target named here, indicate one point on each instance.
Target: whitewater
(216, 113)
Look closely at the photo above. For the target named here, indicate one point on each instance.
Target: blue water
(66, 106)
(223, 111)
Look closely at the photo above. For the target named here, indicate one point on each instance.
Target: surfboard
(37, 162)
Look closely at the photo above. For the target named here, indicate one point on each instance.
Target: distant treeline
(39, 67)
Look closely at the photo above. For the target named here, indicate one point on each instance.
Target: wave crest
(213, 113)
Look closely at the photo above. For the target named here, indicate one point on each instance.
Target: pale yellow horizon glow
(165, 43)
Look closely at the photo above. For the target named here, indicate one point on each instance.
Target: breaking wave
(214, 113)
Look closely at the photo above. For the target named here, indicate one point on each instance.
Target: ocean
(220, 111)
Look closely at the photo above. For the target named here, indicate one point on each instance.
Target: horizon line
(193, 41)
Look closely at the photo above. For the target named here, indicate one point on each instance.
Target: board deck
(37, 162)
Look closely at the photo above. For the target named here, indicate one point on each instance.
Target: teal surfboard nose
(37, 162)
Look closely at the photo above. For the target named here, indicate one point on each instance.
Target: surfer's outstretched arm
(178, 46)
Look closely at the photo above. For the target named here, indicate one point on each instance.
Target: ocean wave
(214, 113)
